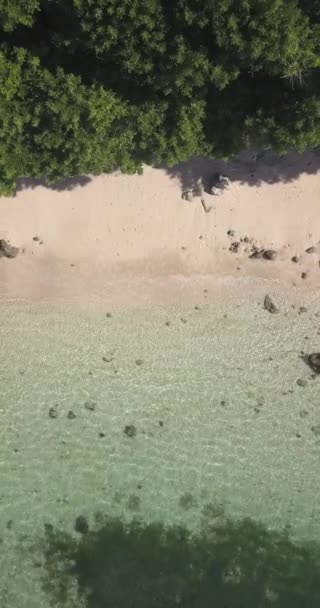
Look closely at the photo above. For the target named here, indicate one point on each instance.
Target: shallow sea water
(219, 420)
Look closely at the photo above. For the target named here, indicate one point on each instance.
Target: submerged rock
(7, 250)
(81, 525)
(269, 305)
(302, 383)
(314, 362)
(90, 405)
(130, 430)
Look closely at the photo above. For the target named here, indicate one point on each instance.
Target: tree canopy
(90, 85)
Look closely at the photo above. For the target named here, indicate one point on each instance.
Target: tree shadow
(68, 183)
(229, 564)
(253, 169)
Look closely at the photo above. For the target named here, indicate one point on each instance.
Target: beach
(141, 375)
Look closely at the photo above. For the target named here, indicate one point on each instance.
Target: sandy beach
(84, 232)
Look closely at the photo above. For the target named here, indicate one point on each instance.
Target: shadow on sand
(248, 168)
(229, 564)
(69, 183)
(251, 169)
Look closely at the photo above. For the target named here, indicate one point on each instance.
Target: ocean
(144, 425)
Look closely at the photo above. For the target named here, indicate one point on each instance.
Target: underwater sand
(211, 392)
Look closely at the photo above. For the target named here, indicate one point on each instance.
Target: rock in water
(314, 362)
(7, 251)
(81, 525)
(269, 305)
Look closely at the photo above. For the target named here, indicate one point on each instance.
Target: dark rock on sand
(316, 429)
(7, 250)
(311, 250)
(90, 405)
(234, 247)
(108, 315)
(53, 413)
(139, 362)
(81, 525)
(36, 238)
(231, 233)
(187, 195)
(303, 275)
(269, 254)
(295, 259)
(71, 415)
(314, 361)
(130, 430)
(302, 309)
(256, 253)
(269, 305)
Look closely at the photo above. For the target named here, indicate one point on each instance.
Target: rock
(71, 415)
(216, 191)
(295, 259)
(316, 429)
(108, 315)
(81, 525)
(130, 430)
(53, 413)
(303, 275)
(187, 195)
(234, 247)
(90, 405)
(311, 250)
(219, 181)
(302, 383)
(256, 253)
(302, 309)
(36, 238)
(269, 254)
(7, 250)
(303, 413)
(139, 362)
(231, 233)
(269, 305)
(314, 362)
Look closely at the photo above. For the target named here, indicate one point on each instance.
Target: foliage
(93, 84)
(16, 12)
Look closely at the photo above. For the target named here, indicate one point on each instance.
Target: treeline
(90, 85)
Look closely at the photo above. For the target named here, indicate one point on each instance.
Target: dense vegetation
(88, 85)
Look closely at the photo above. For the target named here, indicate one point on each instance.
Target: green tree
(17, 12)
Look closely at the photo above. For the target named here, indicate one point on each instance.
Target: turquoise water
(216, 422)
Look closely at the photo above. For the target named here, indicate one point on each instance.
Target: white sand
(139, 226)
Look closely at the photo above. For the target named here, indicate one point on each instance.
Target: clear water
(220, 423)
